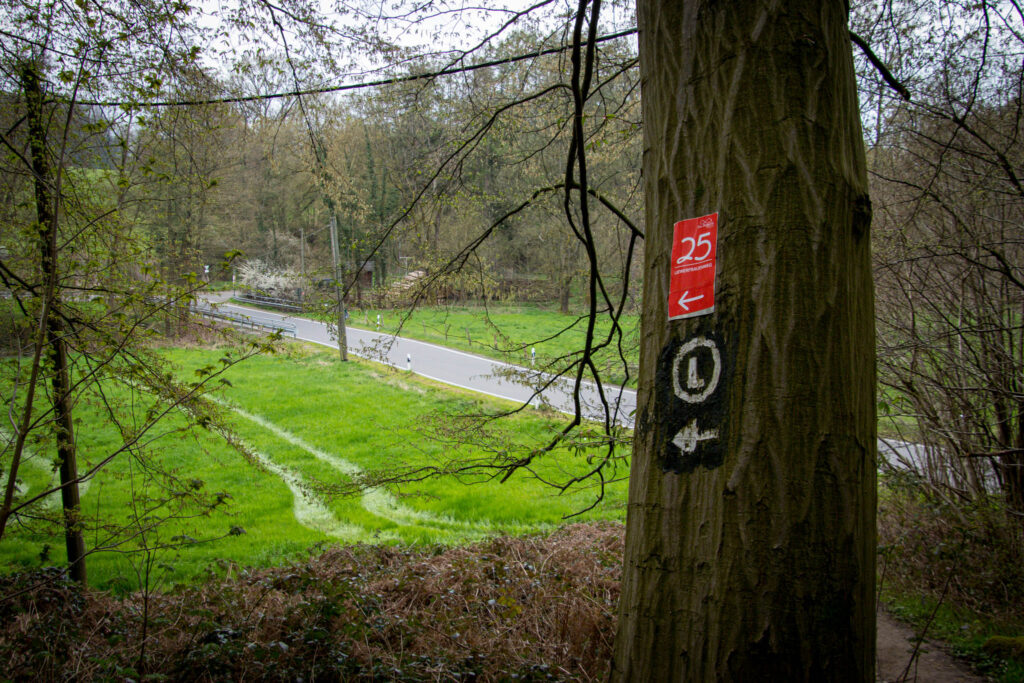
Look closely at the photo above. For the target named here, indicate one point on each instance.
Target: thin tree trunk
(750, 541)
(73, 539)
(57, 351)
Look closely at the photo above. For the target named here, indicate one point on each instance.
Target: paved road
(495, 378)
(458, 368)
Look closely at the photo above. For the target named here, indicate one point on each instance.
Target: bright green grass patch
(374, 418)
(260, 503)
(305, 418)
(123, 495)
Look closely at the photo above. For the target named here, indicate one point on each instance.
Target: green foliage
(1006, 647)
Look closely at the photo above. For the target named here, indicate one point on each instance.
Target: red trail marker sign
(691, 289)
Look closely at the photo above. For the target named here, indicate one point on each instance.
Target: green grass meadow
(306, 419)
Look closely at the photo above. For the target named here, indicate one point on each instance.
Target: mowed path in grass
(309, 422)
(310, 510)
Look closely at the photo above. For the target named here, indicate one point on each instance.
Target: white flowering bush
(262, 278)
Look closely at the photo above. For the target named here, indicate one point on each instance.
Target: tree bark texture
(750, 550)
(57, 347)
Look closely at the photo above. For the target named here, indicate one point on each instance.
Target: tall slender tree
(72, 258)
(45, 186)
(751, 526)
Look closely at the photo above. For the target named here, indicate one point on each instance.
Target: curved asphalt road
(495, 378)
(459, 369)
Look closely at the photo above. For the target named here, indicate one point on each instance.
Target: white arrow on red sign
(683, 300)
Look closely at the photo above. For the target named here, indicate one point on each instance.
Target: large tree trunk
(57, 347)
(750, 539)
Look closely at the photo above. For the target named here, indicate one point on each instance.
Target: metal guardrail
(247, 321)
(288, 304)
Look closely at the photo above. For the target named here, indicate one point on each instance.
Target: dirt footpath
(933, 664)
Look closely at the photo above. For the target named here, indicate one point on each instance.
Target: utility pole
(342, 340)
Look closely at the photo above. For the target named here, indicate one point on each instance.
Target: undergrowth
(527, 609)
(508, 609)
(953, 570)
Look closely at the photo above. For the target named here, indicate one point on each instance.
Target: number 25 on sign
(691, 290)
